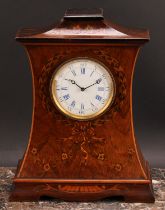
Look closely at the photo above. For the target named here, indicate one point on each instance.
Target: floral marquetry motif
(64, 156)
(101, 156)
(83, 137)
(118, 167)
(46, 167)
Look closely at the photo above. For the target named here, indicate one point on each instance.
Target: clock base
(90, 190)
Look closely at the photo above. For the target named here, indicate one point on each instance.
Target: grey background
(15, 76)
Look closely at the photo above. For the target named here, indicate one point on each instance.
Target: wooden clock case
(82, 160)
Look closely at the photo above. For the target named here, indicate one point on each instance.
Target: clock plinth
(86, 190)
(73, 159)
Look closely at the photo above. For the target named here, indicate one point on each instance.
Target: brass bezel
(80, 117)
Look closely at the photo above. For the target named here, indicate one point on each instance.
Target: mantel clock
(82, 145)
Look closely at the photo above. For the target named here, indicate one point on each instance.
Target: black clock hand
(73, 82)
(97, 82)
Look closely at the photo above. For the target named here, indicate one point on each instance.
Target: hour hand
(73, 82)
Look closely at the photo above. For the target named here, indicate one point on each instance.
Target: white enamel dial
(82, 88)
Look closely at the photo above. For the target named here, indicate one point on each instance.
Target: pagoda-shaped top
(83, 25)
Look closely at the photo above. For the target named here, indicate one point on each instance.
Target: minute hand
(97, 82)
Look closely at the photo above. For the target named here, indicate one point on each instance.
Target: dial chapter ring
(66, 112)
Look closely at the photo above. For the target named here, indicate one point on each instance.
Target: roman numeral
(100, 88)
(98, 97)
(64, 88)
(57, 87)
(81, 111)
(82, 66)
(91, 73)
(94, 108)
(83, 70)
(73, 72)
(61, 99)
(104, 76)
(73, 104)
(66, 97)
(82, 106)
(103, 101)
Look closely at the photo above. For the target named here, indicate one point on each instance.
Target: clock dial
(82, 88)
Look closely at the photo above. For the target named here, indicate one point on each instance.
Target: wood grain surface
(70, 152)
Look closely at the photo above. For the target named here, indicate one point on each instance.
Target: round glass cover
(82, 88)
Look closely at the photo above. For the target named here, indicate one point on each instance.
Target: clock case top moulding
(80, 26)
(82, 160)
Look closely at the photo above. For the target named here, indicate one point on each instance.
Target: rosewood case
(82, 160)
